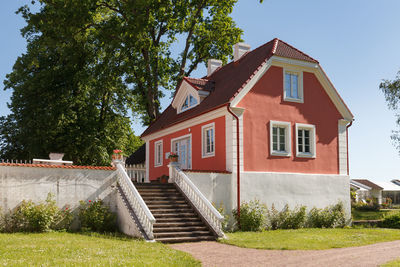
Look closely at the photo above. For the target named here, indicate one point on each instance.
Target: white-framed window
(280, 138)
(190, 102)
(208, 140)
(293, 85)
(305, 140)
(158, 153)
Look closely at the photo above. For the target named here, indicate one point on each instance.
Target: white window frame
(189, 106)
(299, 74)
(287, 126)
(204, 128)
(157, 144)
(313, 152)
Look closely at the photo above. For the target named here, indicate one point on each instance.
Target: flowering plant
(117, 151)
(172, 155)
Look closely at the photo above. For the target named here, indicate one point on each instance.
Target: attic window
(189, 103)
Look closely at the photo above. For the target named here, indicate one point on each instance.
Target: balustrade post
(171, 167)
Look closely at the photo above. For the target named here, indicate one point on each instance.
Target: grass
(392, 263)
(67, 249)
(371, 215)
(309, 238)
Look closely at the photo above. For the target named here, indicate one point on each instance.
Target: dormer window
(293, 85)
(190, 102)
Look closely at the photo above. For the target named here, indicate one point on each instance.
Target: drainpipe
(237, 157)
(347, 145)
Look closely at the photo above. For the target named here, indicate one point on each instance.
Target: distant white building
(391, 190)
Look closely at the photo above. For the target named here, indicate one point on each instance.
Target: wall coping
(104, 168)
(207, 171)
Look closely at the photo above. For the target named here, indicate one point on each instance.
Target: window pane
(282, 139)
(300, 140)
(288, 85)
(212, 140)
(307, 148)
(193, 101)
(295, 86)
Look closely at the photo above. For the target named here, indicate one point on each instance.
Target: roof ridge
(276, 40)
(298, 50)
(197, 78)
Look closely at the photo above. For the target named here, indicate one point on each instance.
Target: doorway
(182, 146)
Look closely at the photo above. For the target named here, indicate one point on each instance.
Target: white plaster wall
(126, 224)
(311, 190)
(69, 186)
(216, 187)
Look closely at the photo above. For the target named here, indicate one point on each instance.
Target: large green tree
(88, 62)
(391, 90)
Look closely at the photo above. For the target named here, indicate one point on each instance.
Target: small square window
(208, 140)
(280, 138)
(158, 153)
(293, 86)
(305, 136)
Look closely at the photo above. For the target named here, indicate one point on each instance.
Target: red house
(268, 125)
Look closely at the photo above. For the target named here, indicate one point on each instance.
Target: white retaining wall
(69, 186)
(311, 190)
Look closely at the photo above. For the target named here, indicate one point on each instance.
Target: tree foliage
(391, 90)
(89, 62)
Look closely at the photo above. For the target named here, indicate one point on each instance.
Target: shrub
(252, 216)
(95, 216)
(286, 219)
(391, 221)
(369, 205)
(31, 217)
(221, 210)
(332, 216)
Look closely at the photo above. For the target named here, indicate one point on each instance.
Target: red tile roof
(104, 168)
(227, 82)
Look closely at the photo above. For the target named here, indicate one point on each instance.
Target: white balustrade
(206, 209)
(142, 212)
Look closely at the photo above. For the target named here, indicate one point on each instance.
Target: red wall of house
(265, 102)
(217, 163)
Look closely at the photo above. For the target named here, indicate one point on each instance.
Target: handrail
(201, 203)
(136, 201)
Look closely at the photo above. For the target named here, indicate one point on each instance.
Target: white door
(182, 148)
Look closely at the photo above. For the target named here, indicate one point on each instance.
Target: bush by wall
(255, 216)
(95, 216)
(371, 204)
(41, 217)
(252, 216)
(330, 217)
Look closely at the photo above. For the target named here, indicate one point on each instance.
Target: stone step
(172, 210)
(163, 202)
(175, 219)
(165, 206)
(182, 234)
(185, 239)
(180, 229)
(175, 215)
(158, 197)
(177, 224)
(171, 193)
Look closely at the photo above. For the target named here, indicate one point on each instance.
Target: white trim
(203, 128)
(363, 186)
(156, 163)
(288, 145)
(147, 161)
(300, 91)
(184, 90)
(294, 62)
(220, 112)
(313, 148)
(191, 146)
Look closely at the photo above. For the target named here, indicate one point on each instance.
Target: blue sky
(356, 42)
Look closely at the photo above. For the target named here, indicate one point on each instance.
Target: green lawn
(392, 263)
(311, 238)
(66, 249)
(370, 215)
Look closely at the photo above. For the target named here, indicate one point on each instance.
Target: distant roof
(138, 157)
(388, 186)
(225, 82)
(368, 183)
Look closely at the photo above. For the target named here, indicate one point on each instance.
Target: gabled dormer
(191, 93)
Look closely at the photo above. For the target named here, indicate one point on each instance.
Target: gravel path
(217, 254)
